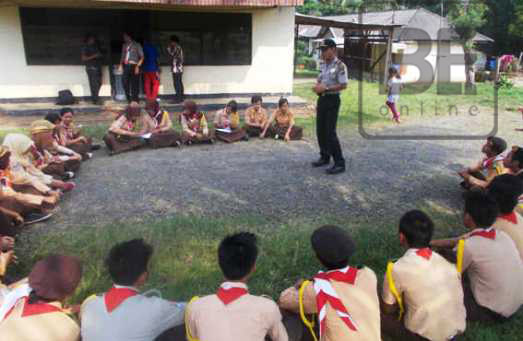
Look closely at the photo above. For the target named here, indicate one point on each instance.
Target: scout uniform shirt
(257, 117)
(123, 313)
(360, 299)
(493, 166)
(160, 120)
(333, 73)
(432, 294)
(234, 314)
(131, 53)
(223, 121)
(495, 270)
(283, 119)
(38, 322)
(512, 224)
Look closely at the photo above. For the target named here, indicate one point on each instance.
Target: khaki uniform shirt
(248, 318)
(495, 271)
(514, 230)
(131, 53)
(333, 73)
(360, 300)
(432, 295)
(283, 120)
(253, 116)
(54, 326)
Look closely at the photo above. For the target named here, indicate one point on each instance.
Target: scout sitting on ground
(232, 313)
(123, 313)
(346, 297)
(194, 125)
(58, 160)
(161, 126)
(227, 124)
(36, 312)
(492, 164)
(424, 286)
(491, 262)
(17, 208)
(60, 136)
(514, 163)
(255, 117)
(505, 190)
(126, 132)
(72, 135)
(283, 127)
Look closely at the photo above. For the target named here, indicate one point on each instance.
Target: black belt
(331, 94)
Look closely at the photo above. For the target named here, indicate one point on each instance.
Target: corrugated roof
(415, 24)
(222, 3)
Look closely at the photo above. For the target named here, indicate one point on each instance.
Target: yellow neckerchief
(307, 323)
(187, 329)
(392, 285)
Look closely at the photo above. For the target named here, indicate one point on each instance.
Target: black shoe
(245, 138)
(320, 163)
(33, 218)
(95, 147)
(335, 170)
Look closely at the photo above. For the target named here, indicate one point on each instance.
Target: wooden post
(388, 56)
(296, 38)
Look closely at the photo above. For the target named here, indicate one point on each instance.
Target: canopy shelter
(357, 37)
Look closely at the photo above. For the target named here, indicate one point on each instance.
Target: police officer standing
(332, 79)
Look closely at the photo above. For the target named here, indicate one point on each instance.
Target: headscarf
(23, 170)
(55, 277)
(42, 132)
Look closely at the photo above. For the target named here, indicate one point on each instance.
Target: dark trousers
(131, 83)
(94, 74)
(178, 86)
(328, 107)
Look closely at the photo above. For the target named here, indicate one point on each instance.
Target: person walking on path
(151, 71)
(332, 79)
(176, 53)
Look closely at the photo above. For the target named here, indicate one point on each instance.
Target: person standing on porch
(151, 71)
(92, 58)
(175, 50)
(332, 79)
(130, 63)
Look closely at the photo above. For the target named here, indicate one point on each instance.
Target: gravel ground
(274, 179)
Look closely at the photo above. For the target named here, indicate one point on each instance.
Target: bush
(504, 83)
(310, 63)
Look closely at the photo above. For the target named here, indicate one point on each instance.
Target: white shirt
(138, 318)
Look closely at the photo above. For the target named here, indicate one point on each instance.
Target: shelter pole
(388, 56)
(296, 38)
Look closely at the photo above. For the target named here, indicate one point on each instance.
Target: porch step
(204, 104)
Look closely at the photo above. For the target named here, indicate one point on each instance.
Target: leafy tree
(516, 26)
(466, 18)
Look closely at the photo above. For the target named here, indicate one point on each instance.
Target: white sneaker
(276, 136)
(89, 155)
(69, 175)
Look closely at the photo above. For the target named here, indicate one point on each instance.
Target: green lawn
(427, 104)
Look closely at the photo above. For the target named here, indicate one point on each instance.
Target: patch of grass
(96, 130)
(305, 73)
(4, 132)
(184, 263)
(429, 103)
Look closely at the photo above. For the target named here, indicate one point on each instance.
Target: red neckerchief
(511, 217)
(193, 116)
(228, 294)
(37, 308)
(116, 296)
(5, 178)
(487, 162)
(130, 125)
(325, 294)
(489, 233)
(158, 118)
(425, 253)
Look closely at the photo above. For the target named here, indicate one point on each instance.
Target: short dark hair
(233, 105)
(333, 246)
(65, 110)
(127, 261)
(256, 99)
(505, 189)
(417, 227)
(53, 117)
(498, 144)
(482, 208)
(175, 39)
(282, 101)
(237, 255)
(517, 155)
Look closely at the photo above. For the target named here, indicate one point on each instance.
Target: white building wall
(271, 70)
(457, 72)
